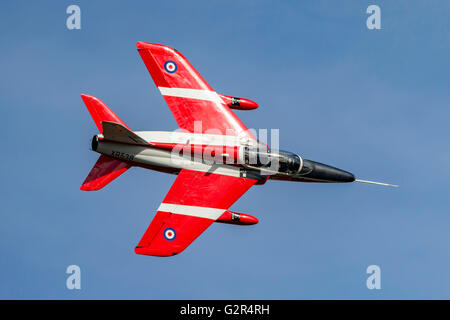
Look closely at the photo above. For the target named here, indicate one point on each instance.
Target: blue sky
(375, 103)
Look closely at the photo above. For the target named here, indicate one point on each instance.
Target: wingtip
(89, 187)
(85, 96)
(146, 251)
(141, 45)
(84, 188)
(145, 45)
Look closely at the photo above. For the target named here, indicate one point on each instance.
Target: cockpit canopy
(278, 161)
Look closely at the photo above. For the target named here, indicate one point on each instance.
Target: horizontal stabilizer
(117, 132)
(105, 170)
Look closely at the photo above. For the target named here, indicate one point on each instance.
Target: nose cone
(327, 173)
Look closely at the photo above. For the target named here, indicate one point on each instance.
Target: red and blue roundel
(170, 66)
(169, 234)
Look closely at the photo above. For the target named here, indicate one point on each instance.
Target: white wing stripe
(201, 212)
(191, 93)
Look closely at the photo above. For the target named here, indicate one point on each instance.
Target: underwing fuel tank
(242, 219)
(239, 103)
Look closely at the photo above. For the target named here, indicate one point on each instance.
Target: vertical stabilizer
(100, 111)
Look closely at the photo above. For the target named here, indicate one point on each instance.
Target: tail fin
(117, 132)
(105, 170)
(100, 112)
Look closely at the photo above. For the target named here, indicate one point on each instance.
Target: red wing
(195, 200)
(189, 96)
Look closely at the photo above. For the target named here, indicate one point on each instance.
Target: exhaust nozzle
(94, 143)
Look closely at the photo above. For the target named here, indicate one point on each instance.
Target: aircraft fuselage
(227, 155)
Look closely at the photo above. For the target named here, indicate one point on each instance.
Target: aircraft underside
(216, 158)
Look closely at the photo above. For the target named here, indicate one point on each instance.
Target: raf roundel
(170, 234)
(170, 66)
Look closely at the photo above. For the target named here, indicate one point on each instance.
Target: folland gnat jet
(215, 165)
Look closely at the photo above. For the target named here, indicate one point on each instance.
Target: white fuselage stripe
(191, 94)
(166, 158)
(194, 138)
(201, 212)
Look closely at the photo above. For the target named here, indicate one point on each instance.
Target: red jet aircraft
(217, 159)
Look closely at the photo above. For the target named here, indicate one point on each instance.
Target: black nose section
(320, 171)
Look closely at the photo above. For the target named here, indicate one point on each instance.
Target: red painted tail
(106, 169)
(100, 111)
